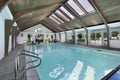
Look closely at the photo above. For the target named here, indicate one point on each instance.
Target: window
(63, 16)
(75, 7)
(88, 7)
(69, 14)
(54, 20)
(115, 35)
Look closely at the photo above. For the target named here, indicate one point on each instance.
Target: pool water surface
(67, 62)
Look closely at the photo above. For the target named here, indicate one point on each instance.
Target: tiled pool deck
(7, 67)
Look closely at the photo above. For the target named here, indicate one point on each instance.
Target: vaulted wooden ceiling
(30, 12)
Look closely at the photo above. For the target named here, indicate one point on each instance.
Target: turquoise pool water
(63, 62)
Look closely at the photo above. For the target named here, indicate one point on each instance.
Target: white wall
(115, 44)
(44, 31)
(5, 14)
(1, 38)
(62, 37)
(57, 37)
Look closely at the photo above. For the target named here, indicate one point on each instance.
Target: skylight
(63, 16)
(69, 14)
(75, 7)
(57, 18)
(88, 7)
(54, 20)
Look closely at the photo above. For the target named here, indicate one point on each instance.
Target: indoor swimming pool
(69, 62)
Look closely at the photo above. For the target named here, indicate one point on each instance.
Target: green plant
(98, 35)
(73, 37)
(79, 36)
(82, 40)
(92, 36)
(115, 33)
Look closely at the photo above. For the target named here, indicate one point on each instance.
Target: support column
(8, 26)
(13, 37)
(16, 35)
(55, 36)
(102, 37)
(108, 36)
(76, 37)
(59, 37)
(95, 37)
(104, 20)
(72, 11)
(65, 36)
(110, 32)
(74, 34)
(89, 38)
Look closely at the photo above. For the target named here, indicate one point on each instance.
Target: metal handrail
(30, 52)
(26, 54)
(29, 61)
(33, 66)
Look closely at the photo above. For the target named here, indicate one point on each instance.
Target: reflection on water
(48, 47)
(89, 74)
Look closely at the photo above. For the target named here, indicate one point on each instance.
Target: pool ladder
(24, 69)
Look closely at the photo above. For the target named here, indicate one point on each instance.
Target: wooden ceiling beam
(18, 14)
(64, 14)
(29, 23)
(3, 4)
(24, 20)
(31, 20)
(23, 27)
(60, 17)
(56, 27)
(62, 27)
(56, 19)
(49, 26)
(80, 6)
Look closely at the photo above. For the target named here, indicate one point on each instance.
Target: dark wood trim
(68, 5)
(59, 16)
(58, 7)
(3, 4)
(30, 24)
(80, 6)
(64, 14)
(53, 26)
(49, 26)
(59, 26)
(56, 19)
